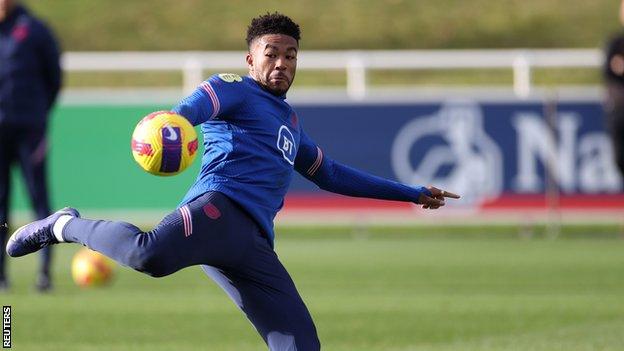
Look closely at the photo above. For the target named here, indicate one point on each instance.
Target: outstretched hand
(437, 198)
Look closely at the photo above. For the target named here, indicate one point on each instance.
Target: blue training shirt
(253, 140)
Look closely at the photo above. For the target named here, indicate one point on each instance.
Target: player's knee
(311, 343)
(148, 261)
(301, 341)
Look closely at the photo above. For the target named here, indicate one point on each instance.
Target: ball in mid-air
(91, 269)
(164, 143)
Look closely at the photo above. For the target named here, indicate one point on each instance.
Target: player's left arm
(341, 179)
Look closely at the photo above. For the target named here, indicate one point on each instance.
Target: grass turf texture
(410, 288)
(351, 24)
(328, 24)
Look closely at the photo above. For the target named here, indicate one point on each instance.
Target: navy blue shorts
(214, 232)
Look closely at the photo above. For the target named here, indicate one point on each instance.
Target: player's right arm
(215, 98)
(340, 179)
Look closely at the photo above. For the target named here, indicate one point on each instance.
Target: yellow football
(164, 143)
(90, 269)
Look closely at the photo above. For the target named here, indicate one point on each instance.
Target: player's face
(5, 8)
(272, 62)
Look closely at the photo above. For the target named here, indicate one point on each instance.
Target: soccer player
(30, 80)
(253, 143)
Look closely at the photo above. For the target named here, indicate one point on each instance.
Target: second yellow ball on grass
(91, 269)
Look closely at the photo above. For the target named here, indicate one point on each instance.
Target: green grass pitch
(368, 289)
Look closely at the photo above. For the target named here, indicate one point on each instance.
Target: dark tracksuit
(613, 71)
(30, 79)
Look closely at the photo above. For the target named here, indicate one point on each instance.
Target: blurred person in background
(30, 79)
(614, 104)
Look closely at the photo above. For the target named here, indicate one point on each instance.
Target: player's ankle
(59, 226)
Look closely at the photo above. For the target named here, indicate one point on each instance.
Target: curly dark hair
(272, 23)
